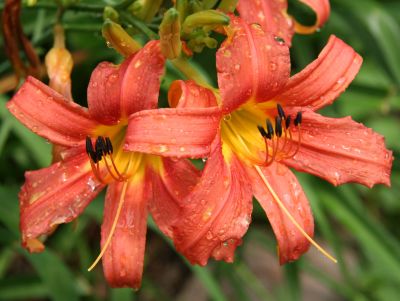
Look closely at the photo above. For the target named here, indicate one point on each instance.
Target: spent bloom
(93, 157)
(268, 124)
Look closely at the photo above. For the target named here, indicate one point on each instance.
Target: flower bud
(210, 18)
(170, 39)
(228, 6)
(119, 39)
(59, 64)
(110, 13)
(145, 9)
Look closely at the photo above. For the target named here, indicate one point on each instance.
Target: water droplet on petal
(227, 117)
(92, 184)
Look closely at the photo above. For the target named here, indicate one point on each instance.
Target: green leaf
(55, 275)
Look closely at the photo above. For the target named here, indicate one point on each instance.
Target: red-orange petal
(251, 65)
(140, 79)
(103, 93)
(322, 11)
(341, 150)
(322, 81)
(217, 213)
(115, 92)
(188, 94)
(54, 195)
(50, 115)
(123, 259)
(171, 185)
(270, 14)
(177, 132)
(291, 242)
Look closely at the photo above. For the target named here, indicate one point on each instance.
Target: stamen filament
(292, 219)
(96, 172)
(110, 235)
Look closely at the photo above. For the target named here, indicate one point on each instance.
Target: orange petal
(103, 93)
(123, 259)
(170, 186)
(322, 10)
(292, 244)
(54, 195)
(251, 65)
(270, 14)
(141, 78)
(177, 132)
(115, 92)
(322, 81)
(50, 115)
(341, 150)
(217, 213)
(188, 94)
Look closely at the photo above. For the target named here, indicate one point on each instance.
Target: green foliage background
(360, 225)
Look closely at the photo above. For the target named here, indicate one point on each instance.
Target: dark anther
(298, 119)
(109, 147)
(270, 129)
(287, 122)
(100, 147)
(278, 126)
(281, 112)
(90, 151)
(262, 131)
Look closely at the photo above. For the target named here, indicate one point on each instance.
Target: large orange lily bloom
(269, 125)
(94, 157)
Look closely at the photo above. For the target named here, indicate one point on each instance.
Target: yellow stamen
(110, 235)
(282, 206)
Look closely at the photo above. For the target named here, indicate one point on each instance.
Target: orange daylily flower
(94, 156)
(269, 125)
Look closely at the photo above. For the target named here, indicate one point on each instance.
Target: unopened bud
(145, 9)
(119, 39)
(59, 64)
(110, 13)
(211, 18)
(228, 6)
(170, 39)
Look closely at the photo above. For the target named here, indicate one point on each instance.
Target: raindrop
(209, 235)
(237, 67)
(92, 184)
(272, 66)
(227, 117)
(280, 40)
(204, 160)
(162, 148)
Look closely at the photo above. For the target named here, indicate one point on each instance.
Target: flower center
(109, 161)
(279, 140)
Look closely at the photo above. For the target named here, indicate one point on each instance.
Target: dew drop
(237, 67)
(272, 66)
(280, 40)
(182, 149)
(204, 160)
(91, 184)
(162, 148)
(227, 117)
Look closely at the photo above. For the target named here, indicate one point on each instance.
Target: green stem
(128, 18)
(190, 72)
